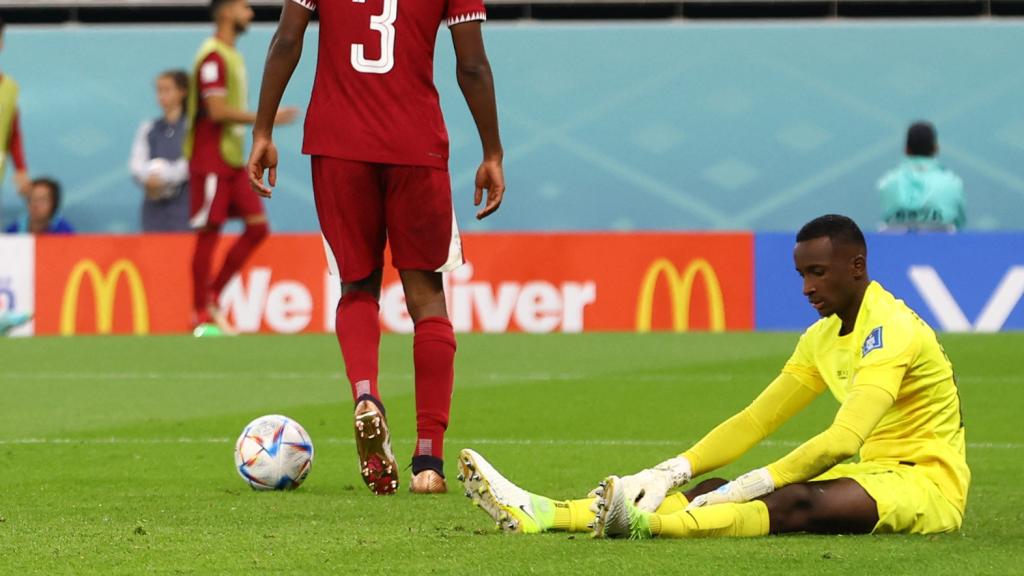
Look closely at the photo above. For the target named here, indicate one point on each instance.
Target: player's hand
(22, 182)
(154, 187)
(647, 489)
(286, 115)
(490, 176)
(262, 158)
(747, 487)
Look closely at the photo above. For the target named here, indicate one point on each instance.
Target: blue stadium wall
(606, 126)
(971, 282)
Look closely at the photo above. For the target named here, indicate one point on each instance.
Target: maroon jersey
(374, 98)
(211, 79)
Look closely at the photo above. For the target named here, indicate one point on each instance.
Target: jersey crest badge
(872, 342)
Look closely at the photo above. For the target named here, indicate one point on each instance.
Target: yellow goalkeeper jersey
(892, 348)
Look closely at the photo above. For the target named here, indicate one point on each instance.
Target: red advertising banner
(511, 282)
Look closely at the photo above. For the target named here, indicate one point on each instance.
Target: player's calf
(705, 486)
(830, 507)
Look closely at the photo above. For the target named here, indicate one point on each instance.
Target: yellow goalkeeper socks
(573, 515)
(674, 502)
(747, 519)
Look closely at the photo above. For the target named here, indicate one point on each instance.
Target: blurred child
(157, 162)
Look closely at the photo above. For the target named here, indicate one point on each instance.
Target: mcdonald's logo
(681, 292)
(104, 287)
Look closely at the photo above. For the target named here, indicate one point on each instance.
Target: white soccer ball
(273, 453)
(158, 167)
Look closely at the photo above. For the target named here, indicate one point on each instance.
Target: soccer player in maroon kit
(214, 147)
(379, 152)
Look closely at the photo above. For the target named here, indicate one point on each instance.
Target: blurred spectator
(921, 194)
(10, 129)
(157, 162)
(43, 211)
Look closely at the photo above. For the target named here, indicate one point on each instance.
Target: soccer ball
(159, 167)
(273, 453)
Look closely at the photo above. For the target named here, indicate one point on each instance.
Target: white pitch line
(681, 377)
(172, 375)
(113, 441)
(250, 376)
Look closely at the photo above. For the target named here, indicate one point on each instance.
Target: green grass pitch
(116, 456)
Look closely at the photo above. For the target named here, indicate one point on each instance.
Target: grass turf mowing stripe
(459, 441)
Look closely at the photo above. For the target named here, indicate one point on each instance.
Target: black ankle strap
(427, 462)
(372, 399)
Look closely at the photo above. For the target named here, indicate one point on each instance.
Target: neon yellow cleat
(208, 330)
(514, 509)
(615, 517)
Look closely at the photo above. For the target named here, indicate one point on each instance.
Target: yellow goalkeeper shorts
(908, 501)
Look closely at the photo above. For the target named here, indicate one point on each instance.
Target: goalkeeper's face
(831, 274)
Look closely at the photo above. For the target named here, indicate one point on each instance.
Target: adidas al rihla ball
(274, 453)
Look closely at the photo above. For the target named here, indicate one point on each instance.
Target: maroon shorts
(217, 197)
(362, 206)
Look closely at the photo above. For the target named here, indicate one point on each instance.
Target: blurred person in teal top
(921, 194)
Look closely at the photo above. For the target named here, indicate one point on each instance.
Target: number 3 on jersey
(385, 25)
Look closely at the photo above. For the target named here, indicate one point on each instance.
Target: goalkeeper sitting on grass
(899, 408)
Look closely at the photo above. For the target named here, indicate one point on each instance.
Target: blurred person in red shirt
(214, 146)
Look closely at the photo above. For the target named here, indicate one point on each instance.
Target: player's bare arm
(282, 57)
(15, 147)
(473, 72)
(23, 182)
(220, 111)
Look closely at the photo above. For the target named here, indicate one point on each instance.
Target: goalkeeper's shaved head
(831, 257)
(839, 229)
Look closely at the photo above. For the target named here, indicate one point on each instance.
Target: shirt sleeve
(801, 364)
(15, 145)
(785, 397)
(460, 11)
(140, 152)
(961, 206)
(307, 4)
(212, 76)
(857, 417)
(886, 195)
(176, 172)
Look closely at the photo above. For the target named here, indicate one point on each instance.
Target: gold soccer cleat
(428, 482)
